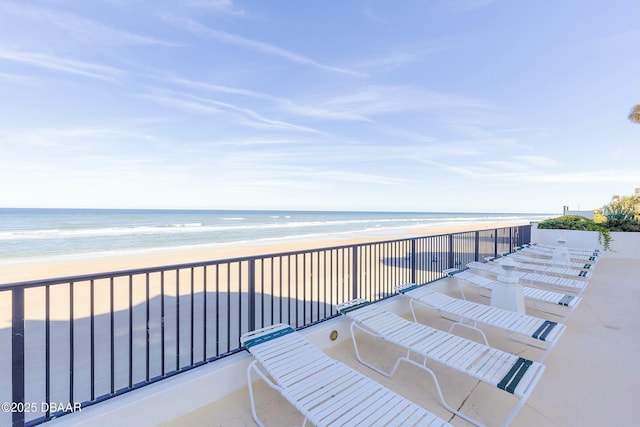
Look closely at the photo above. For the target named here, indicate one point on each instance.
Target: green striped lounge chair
(530, 330)
(556, 303)
(504, 371)
(326, 391)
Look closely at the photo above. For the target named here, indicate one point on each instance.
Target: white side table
(507, 292)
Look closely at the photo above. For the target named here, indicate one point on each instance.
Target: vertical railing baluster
(304, 289)
(162, 326)
(71, 342)
(450, 256)
(47, 350)
(252, 294)
(217, 310)
(177, 319)
(297, 286)
(273, 290)
(112, 328)
(147, 330)
(262, 293)
(17, 354)
(191, 313)
(130, 331)
(413, 260)
(229, 307)
(204, 314)
(354, 273)
(92, 338)
(280, 281)
(289, 288)
(239, 303)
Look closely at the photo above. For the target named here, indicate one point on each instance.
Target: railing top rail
(173, 267)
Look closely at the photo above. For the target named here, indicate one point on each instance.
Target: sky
(441, 105)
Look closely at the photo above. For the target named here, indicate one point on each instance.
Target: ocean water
(26, 233)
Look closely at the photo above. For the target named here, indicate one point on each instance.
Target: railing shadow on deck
(77, 341)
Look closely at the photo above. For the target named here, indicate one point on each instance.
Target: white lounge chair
(497, 368)
(575, 285)
(547, 262)
(530, 330)
(591, 257)
(326, 391)
(576, 251)
(545, 269)
(555, 303)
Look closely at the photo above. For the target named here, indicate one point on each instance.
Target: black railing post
(511, 244)
(413, 260)
(252, 294)
(451, 257)
(495, 243)
(354, 273)
(17, 355)
(476, 248)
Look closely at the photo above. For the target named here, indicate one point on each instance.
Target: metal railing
(76, 341)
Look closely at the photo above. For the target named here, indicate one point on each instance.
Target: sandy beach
(36, 269)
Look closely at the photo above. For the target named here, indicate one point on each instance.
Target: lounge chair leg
(251, 398)
(361, 360)
(484, 337)
(439, 390)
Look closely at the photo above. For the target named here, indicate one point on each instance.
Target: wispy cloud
(16, 78)
(586, 177)
(202, 105)
(378, 99)
(82, 29)
(226, 7)
(72, 66)
(537, 162)
(60, 138)
(259, 46)
(283, 104)
(462, 6)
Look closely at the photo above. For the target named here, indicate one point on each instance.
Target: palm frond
(634, 115)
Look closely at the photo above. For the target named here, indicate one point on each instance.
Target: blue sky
(443, 105)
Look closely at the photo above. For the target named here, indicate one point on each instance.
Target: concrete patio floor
(591, 377)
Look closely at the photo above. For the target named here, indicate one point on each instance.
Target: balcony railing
(75, 341)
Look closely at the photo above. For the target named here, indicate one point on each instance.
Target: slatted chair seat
(546, 269)
(577, 251)
(326, 391)
(556, 303)
(550, 262)
(497, 368)
(575, 285)
(590, 258)
(531, 330)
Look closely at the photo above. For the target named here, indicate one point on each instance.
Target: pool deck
(591, 375)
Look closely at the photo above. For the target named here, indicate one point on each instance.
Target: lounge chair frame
(530, 330)
(495, 367)
(565, 284)
(326, 391)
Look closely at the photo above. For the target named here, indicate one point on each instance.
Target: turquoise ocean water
(27, 233)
